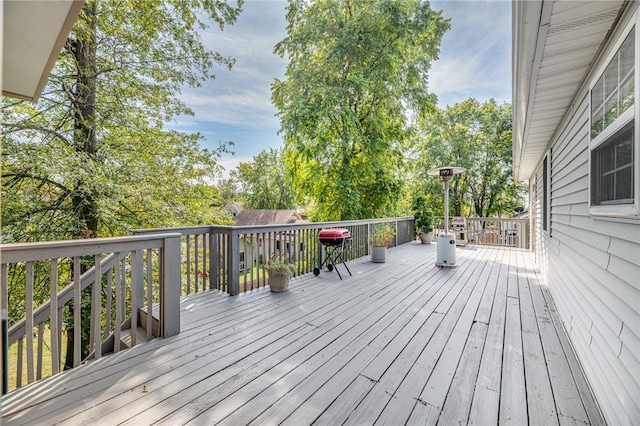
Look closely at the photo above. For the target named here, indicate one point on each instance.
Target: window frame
(631, 114)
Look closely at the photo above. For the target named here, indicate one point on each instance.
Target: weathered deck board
(400, 342)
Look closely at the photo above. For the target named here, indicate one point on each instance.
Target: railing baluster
(29, 320)
(215, 261)
(53, 318)
(96, 317)
(212, 261)
(40, 348)
(257, 259)
(108, 313)
(188, 264)
(204, 262)
(137, 292)
(119, 315)
(197, 262)
(77, 295)
(4, 342)
(150, 293)
(19, 364)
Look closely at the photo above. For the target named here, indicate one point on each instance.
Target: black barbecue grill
(335, 242)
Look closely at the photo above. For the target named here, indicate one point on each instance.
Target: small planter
(278, 282)
(280, 272)
(426, 237)
(378, 254)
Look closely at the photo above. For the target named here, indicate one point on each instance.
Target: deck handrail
(118, 259)
(495, 231)
(218, 256)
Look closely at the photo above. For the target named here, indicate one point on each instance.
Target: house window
(612, 169)
(613, 138)
(241, 263)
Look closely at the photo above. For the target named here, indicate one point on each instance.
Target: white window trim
(620, 210)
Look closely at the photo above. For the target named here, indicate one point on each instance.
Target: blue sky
(475, 61)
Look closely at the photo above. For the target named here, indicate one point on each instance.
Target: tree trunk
(85, 206)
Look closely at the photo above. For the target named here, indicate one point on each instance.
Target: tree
(263, 182)
(357, 70)
(477, 137)
(93, 156)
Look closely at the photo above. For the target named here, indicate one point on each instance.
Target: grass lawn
(46, 358)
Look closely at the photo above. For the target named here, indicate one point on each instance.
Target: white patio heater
(446, 254)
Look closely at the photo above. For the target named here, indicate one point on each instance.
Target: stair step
(155, 322)
(125, 337)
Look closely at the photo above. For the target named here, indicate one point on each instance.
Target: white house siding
(592, 267)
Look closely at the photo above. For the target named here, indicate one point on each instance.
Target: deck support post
(170, 287)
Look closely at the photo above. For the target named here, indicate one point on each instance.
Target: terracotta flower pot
(278, 282)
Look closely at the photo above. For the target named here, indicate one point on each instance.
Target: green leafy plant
(280, 266)
(381, 235)
(422, 214)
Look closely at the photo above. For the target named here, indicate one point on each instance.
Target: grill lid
(329, 234)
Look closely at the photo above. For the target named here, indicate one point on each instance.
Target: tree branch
(18, 176)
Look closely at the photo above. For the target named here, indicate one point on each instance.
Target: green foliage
(93, 156)
(357, 70)
(422, 214)
(477, 137)
(263, 182)
(280, 266)
(381, 235)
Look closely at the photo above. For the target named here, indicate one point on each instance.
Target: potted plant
(280, 272)
(380, 238)
(424, 219)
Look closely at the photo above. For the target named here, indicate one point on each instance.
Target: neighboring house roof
(554, 44)
(267, 217)
(233, 208)
(33, 33)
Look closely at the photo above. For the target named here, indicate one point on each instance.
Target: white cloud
(475, 54)
(231, 163)
(236, 105)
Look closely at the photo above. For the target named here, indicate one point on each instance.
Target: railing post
(233, 263)
(170, 288)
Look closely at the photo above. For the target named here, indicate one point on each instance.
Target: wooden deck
(397, 343)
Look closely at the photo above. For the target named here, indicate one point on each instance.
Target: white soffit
(33, 33)
(554, 44)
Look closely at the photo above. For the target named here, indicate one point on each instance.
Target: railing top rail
(24, 252)
(496, 219)
(228, 229)
(184, 230)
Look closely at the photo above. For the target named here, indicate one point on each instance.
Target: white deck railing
(493, 231)
(124, 275)
(233, 258)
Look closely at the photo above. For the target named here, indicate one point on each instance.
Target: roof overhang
(554, 45)
(33, 33)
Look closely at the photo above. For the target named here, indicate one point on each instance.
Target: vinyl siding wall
(592, 267)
